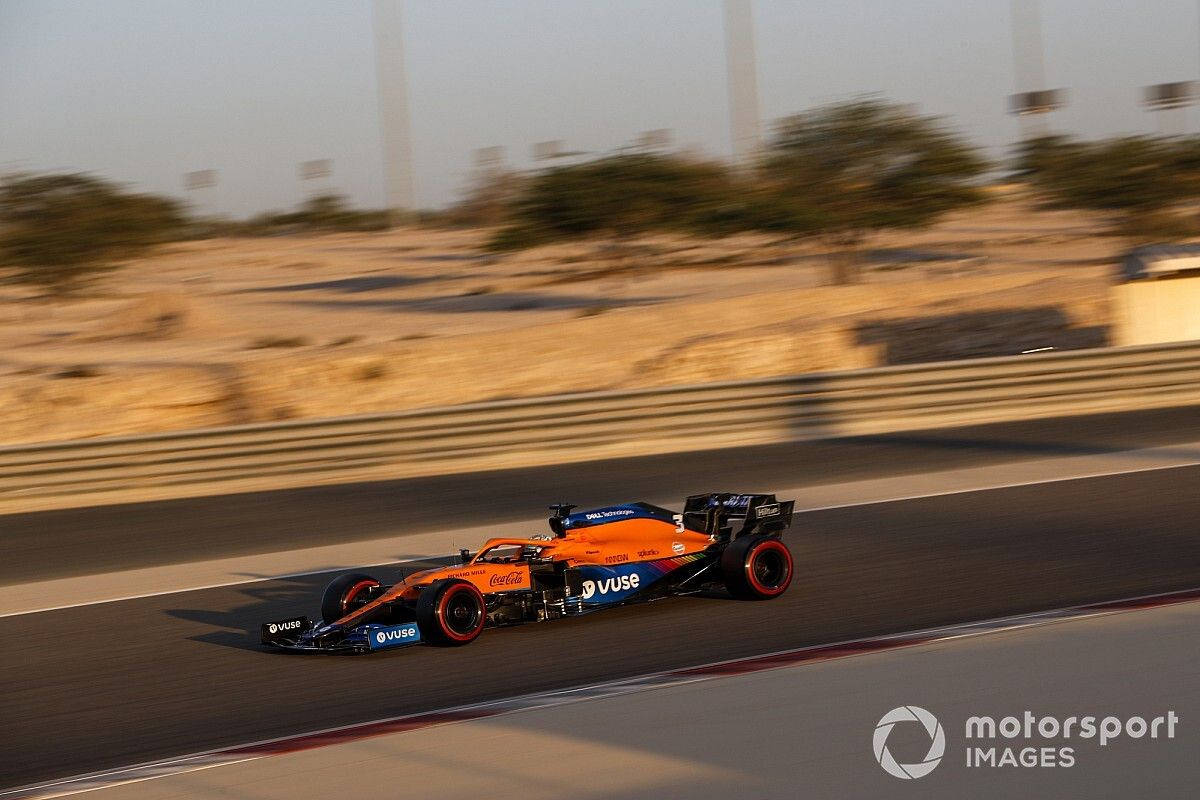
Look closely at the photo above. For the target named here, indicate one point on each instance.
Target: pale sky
(143, 91)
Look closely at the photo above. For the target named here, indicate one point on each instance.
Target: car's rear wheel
(347, 593)
(756, 567)
(451, 612)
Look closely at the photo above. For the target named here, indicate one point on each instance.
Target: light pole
(393, 105)
(1032, 100)
(743, 80)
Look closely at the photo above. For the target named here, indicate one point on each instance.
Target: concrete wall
(1154, 311)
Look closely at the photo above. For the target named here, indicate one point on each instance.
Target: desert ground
(231, 331)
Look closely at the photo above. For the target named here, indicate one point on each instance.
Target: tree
(59, 232)
(321, 212)
(1136, 181)
(621, 196)
(845, 171)
(488, 199)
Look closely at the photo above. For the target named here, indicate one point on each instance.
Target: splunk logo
(394, 635)
(622, 583)
(937, 742)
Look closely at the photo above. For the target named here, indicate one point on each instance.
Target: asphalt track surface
(113, 684)
(56, 544)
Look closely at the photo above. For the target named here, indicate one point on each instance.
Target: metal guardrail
(593, 425)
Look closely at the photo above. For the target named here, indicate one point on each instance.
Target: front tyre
(756, 567)
(451, 612)
(347, 593)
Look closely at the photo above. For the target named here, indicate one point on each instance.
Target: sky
(143, 91)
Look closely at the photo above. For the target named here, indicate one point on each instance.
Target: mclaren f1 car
(590, 560)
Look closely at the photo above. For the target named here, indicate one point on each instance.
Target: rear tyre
(451, 612)
(756, 567)
(347, 593)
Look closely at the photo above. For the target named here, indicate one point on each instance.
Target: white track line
(203, 587)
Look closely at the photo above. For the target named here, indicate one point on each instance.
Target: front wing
(301, 635)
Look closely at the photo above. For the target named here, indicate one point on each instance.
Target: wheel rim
(353, 592)
(770, 568)
(461, 613)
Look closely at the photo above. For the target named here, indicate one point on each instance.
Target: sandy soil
(227, 331)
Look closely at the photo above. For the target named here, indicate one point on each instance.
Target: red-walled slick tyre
(347, 593)
(757, 567)
(451, 612)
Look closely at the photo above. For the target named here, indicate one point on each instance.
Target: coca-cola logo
(510, 579)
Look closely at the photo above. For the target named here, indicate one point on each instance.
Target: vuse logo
(617, 584)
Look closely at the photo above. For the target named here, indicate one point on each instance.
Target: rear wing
(716, 513)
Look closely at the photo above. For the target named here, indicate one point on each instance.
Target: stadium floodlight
(1162, 96)
(543, 151)
(1042, 101)
(200, 179)
(489, 156)
(318, 168)
(1170, 99)
(657, 139)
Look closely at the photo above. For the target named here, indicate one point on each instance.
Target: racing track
(113, 684)
(82, 541)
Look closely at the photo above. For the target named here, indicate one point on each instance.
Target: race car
(590, 560)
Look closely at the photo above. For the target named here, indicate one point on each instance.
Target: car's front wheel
(756, 567)
(347, 593)
(451, 612)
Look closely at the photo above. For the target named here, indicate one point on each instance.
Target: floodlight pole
(743, 80)
(1032, 101)
(393, 105)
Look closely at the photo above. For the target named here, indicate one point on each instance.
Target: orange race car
(590, 560)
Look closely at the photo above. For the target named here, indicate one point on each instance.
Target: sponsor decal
(509, 579)
(647, 553)
(678, 547)
(286, 625)
(392, 635)
(768, 510)
(616, 559)
(620, 512)
(617, 583)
